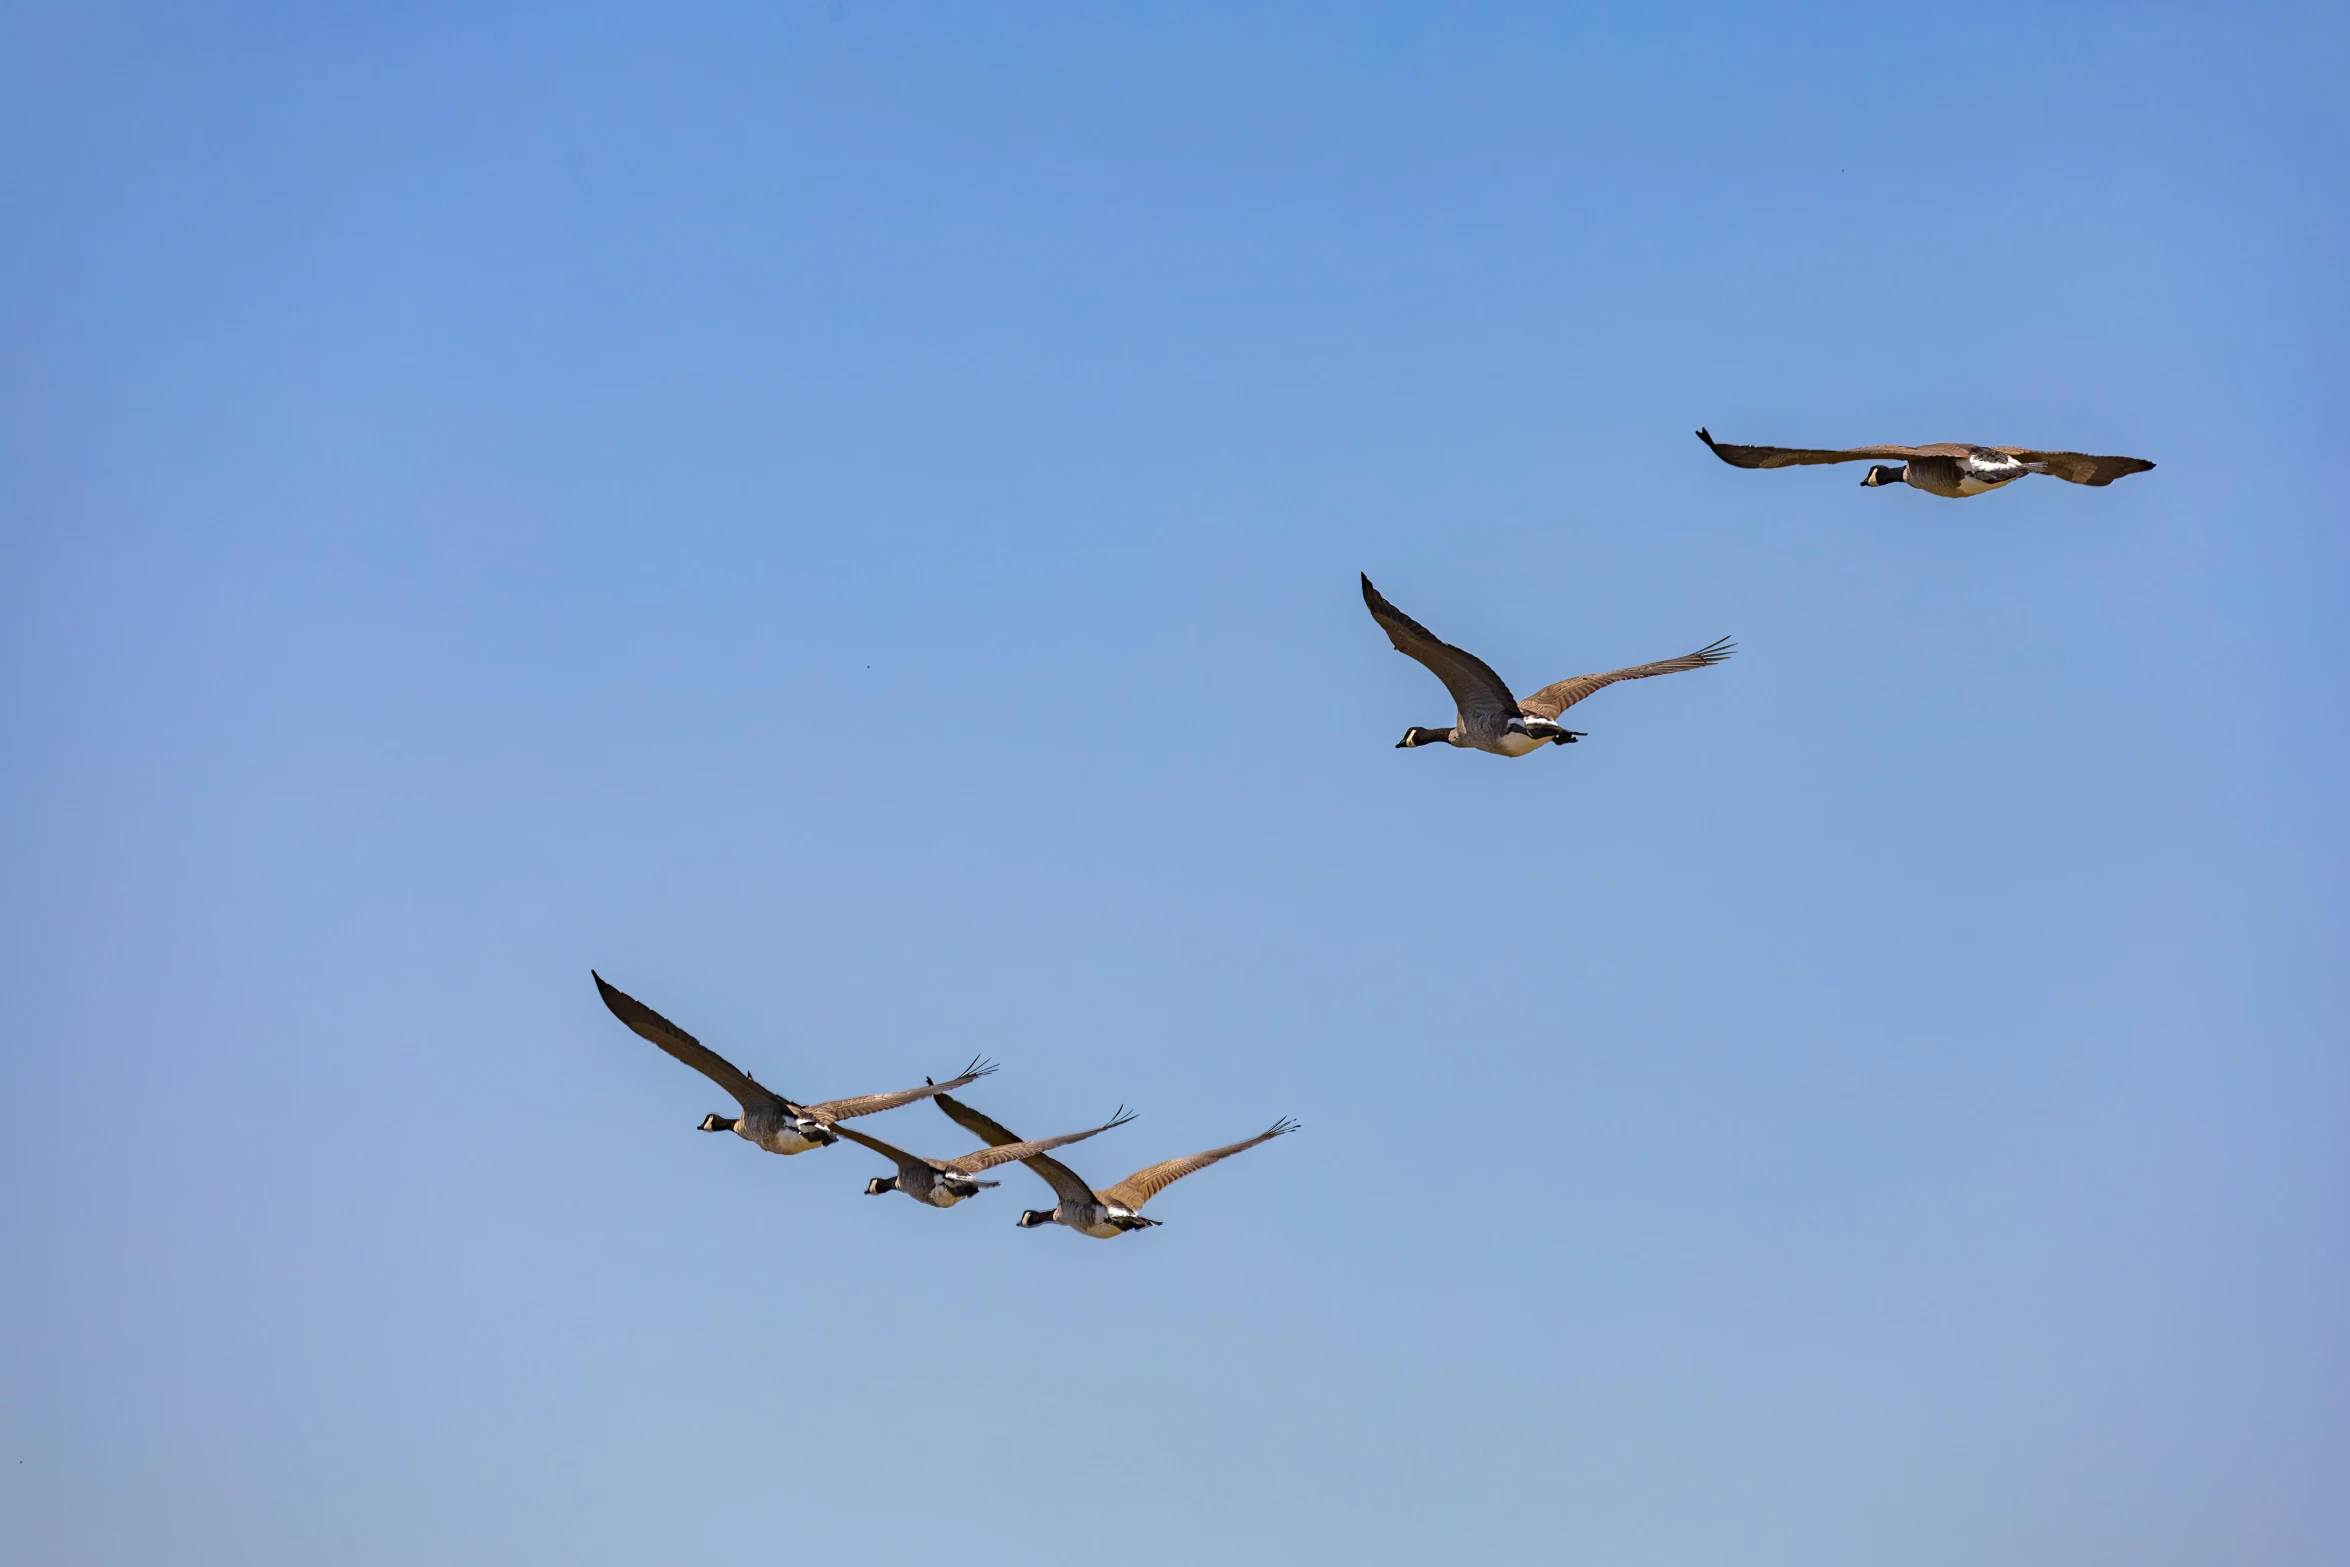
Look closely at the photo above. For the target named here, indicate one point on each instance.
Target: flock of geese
(1486, 717)
(780, 1125)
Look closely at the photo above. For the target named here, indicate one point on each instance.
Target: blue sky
(846, 518)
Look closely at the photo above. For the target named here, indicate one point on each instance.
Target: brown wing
(1476, 690)
(873, 1104)
(1140, 1187)
(653, 1026)
(1805, 456)
(1557, 697)
(994, 1133)
(1005, 1153)
(906, 1162)
(1063, 1180)
(2079, 467)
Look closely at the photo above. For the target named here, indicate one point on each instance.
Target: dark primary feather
(651, 1025)
(1559, 695)
(1140, 1187)
(1477, 692)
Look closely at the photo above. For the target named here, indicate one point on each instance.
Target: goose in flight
(942, 1183)
(1488, 718)
(1115, 1209)
(773, 1122)
(1953, 469)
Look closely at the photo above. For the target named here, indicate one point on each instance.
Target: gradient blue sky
(846, 519)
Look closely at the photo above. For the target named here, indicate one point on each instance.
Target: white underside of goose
(945, 1196)
(775, 1134)
(1101, 1220)
(783, 1142)
(1512, 744)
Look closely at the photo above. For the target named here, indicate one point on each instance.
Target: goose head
(715, 1122)
(1417, 736)
(879, 1184)
(1880, 474)
(1034, 1217)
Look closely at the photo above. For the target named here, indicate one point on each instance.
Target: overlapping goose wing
(653, 1026)
(1063, 1180)
(833, 1110)
(1806, 456)
(1557, 697)
(993, 1133)
(2080, 467)
(907, 1163)
(1140, 1187)
(1005, 1153)
(1476, 690)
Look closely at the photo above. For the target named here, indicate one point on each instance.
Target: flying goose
(773, 1122)
(1488, 718)
(1113, 1210)
(1953, 469)
(942, 1183)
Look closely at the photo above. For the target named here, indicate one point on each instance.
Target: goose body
(942, 1183)
(1114, 1210)
(768, 1119)
(1486, 717)
(1952, 469)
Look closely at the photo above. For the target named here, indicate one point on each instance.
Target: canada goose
(1113, 1210)
(1488, 718)
(1953, 469)
(942, 1183)
(773, 1122)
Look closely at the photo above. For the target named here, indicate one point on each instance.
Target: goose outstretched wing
(1806, 456)
(1063, 1180)
(907, 1163)
(1476, 690)
(2079, 467)
(873, 1104)
(993, 1133)
(1005, 1153)
(1140, 1187)
(1559, 695)
(1001, 1139)
(2072, 467)
(653, 1026)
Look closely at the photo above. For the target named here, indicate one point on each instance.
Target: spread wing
(1005, 1153)
(653, 1026)
(907, 1163)
(1557, 697)
(993, 1133)
(2079, 467)
(1805, 456)
(1143, 1185)
(873, 1104)
(1063, 1180)
(1476, 690)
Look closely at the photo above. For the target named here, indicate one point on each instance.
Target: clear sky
(846, 518)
